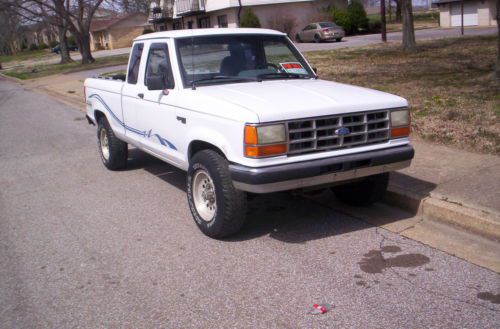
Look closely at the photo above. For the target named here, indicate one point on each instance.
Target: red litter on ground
(320, 309)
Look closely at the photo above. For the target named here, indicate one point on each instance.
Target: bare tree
(80, 17)
(498, 40)
(398, 10)
(408, 30)
(75, 16)
(9, 28)
(383, 28)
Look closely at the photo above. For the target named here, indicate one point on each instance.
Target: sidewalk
(451, 186)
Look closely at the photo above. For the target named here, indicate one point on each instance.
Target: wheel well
(98, 115)
(198, 145)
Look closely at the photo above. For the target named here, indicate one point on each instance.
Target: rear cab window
(134, 63)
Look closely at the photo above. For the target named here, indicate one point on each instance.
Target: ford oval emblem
(342, 131)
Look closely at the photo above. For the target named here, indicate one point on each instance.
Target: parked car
(242, 111)
(319, 32)
(57, 48)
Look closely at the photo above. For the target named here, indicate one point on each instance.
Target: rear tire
(218, 208)
(114, 152)
(363, 193)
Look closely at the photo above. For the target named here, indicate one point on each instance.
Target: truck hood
(276, 100)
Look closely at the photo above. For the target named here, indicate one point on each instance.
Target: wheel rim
(103, 141)
(204, 195)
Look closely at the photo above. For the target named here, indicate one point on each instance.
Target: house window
(204, 22)
(222, 20)
(190, 24)
(177, 25)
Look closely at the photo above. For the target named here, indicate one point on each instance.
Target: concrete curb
(465, 217)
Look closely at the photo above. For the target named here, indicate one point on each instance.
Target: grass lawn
(421, 20)
(449, 84)
(38, 71)
(27, 54)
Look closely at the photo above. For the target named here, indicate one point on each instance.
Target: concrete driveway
(83, 247)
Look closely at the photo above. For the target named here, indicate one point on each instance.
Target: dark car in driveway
(57, 49)
(322, 31)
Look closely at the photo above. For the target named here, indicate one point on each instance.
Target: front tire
(114, 152)
(218, 208)
(338, 39)
(317, 38)
(298, 39)
(363, 193)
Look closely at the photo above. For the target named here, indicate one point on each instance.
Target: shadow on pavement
(290, 217)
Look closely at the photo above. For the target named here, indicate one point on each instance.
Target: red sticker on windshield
(293, 67)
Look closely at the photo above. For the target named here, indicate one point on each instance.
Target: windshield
(238, 58)
(326, 25)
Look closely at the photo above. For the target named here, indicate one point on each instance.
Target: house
(38, 34)
(188, 14)
(116, 31)
(476, 12)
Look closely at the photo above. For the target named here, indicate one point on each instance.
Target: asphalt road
(83, 247)
(420, 35)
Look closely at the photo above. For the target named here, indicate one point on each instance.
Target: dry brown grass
(453, 95)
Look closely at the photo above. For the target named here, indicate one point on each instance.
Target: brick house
(116, 31)
(476, 12)
(187, 14)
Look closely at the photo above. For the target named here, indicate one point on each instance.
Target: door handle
(140, 95)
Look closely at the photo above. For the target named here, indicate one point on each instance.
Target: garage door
(470, 14)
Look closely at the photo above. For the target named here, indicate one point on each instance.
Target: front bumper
(321, 171)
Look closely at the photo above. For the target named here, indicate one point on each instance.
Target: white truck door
(132, 95)
(158, 115)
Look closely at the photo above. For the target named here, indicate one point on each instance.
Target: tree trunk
(408, 31)
(63, 45)
(85, 50)
(498, 39)
(83, 41)
(398, 10)
(383, 29)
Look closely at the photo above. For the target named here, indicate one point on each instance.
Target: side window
(135, 63)
(158, 68)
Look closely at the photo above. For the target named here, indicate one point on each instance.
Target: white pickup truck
(242, 111)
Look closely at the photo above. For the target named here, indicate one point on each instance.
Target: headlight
(271, 134)
(400, 118)
(261, 141)
(400, 123)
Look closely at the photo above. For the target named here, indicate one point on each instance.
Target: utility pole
(462, 8)
(382, 20)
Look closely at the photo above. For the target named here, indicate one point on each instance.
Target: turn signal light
(400, 132)
(250, 135)
(265, 150)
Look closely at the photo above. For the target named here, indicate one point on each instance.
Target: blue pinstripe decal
(144, 134)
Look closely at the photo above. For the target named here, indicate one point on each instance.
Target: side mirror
(155, 83)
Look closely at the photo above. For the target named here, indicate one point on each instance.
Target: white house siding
(476, 13)
(303, 11)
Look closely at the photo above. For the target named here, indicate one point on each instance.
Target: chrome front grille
(322, 134)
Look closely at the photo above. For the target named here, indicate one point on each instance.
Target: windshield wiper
(283, 75)
(225, 77)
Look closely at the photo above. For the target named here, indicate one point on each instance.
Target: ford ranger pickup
(243, 112)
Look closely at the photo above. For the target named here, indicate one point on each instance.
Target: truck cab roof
(205, 32)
